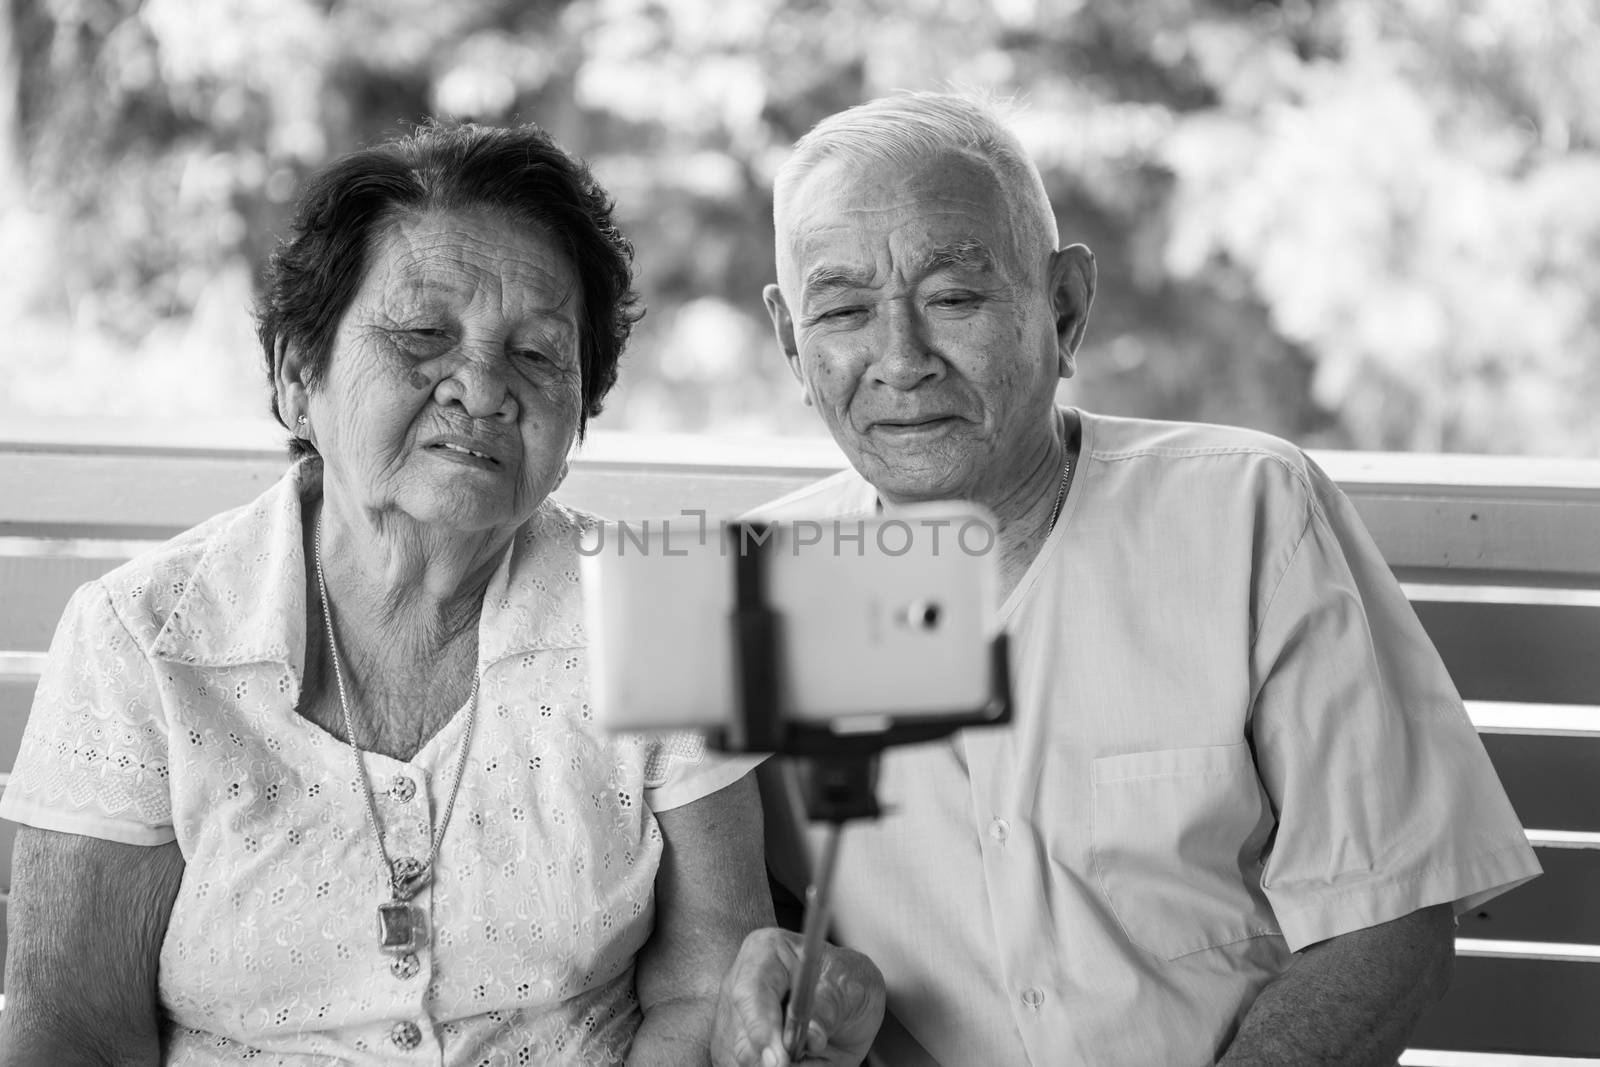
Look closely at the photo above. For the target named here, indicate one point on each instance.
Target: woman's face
(453, 390)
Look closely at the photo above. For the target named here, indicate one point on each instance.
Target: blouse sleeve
(1386, 800)
(93, 759)
(681, 768)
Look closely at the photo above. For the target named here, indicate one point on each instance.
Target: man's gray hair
(905, 128)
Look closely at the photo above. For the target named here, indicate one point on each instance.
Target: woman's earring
(302, 427)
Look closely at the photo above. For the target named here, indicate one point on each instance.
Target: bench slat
(37, 589)
(16, 697)
(1522, 534)
(1427, 1057)
(8, 838)
(1533, 1007)
(155, 496)
(124, 496)
(1534, 653)
(1562, 905)
(1553, 781)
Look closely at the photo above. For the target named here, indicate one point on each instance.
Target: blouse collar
(245, 601)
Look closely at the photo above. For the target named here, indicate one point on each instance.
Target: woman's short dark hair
(517, 172)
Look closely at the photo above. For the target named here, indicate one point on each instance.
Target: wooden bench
(1500, 557)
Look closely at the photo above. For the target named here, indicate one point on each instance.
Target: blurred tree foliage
(1364, 223)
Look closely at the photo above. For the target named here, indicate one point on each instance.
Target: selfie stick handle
(811, 947)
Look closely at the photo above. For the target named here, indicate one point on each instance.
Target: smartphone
(878, 620)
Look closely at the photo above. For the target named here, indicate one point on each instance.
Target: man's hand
(749, 1027)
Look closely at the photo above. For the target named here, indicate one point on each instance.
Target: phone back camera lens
(923, 615)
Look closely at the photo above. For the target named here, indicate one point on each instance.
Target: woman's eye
(424, 337)
(547, 365)
(955, 300)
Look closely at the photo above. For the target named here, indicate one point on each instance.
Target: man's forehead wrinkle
(827, 277)
(967, 253)
(855, 212)
(824, 218)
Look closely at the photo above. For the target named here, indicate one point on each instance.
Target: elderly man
(1241, 800)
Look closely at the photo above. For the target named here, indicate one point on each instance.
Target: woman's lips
(463, 453)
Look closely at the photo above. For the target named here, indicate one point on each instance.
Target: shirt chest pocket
(1178, 839)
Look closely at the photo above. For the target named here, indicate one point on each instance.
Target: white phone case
(885, 616)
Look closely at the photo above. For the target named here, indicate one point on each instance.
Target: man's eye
(955, 300)
(835, 314)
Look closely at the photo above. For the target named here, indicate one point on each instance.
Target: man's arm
(85, 925)
(711, 890)
(1351, 1000)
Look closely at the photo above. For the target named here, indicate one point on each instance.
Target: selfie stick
(838, 770)
(838, 786)
(816, 927)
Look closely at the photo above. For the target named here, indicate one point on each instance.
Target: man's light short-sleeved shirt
(167, 712)
(1232, 739)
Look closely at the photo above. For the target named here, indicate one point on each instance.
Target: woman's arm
(85, 925)
(711, 891)
(1352, 999)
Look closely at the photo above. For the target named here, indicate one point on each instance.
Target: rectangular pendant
(399, 927)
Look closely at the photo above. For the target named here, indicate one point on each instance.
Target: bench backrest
(1500, 557)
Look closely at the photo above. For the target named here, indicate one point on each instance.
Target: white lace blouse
(167, 712)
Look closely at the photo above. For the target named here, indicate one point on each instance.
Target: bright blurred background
(1358, 223)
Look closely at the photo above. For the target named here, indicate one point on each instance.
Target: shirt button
(1032, 997)
(406, 1036)
(999, 829)
(405, 966)
(403, 788)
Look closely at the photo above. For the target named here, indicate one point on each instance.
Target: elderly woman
(317, 782)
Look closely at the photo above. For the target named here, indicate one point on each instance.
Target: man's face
(918, 316)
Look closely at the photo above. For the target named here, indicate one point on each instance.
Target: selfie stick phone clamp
(837, 771)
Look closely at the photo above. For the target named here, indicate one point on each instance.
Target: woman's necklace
(400, 927)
